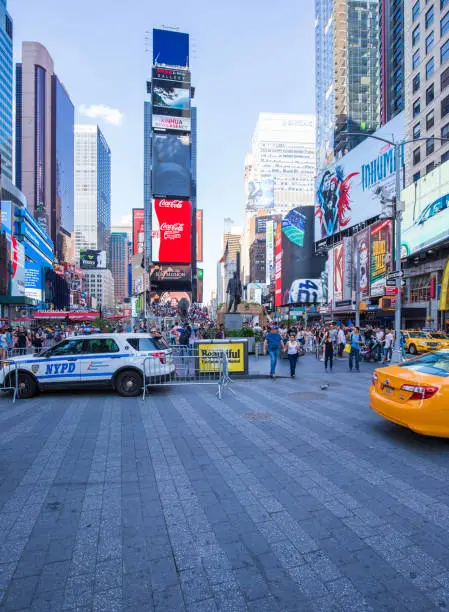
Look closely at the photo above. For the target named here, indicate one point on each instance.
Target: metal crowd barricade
(9, 379)
(187, 365)
(29, 350)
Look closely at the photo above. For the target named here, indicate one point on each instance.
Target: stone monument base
(233, 321)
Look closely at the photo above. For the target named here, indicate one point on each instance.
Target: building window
(445, 131)
(430, 120)
(416, 82)
(430, 94)
(429, 42)
(443, 4)
(415, 35)
(444, 24)
(444, 51)
(430, 167)
(445, 106)
(430, 146)
(416, 177)
(415, 10)
(417, 155)
(429, 17)
(416, 58)
(430, 66)
(416, 130)
(416, 107)
(444, 79)
(445, 157)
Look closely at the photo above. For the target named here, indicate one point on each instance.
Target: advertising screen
(168, 96)
(269, 251)
(170, 47)
(171, 165)
(166, 122)
(381, 249)
(353, 189)
(199, 235)
(361, 245)
(162, 75)
(6, 217)
(138, 230)
(278, 265)
(302, 271)
(33, 281)
(18, 268)
(171, 234)
(425, 220)
(260, 194)
(171, 278)
(90, 259)
(338, 272)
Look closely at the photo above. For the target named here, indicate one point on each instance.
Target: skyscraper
(92, 189)
(119, 264)
(347, 66)
(6, 74)
(44, 146)
(392, 58)
(281, 170)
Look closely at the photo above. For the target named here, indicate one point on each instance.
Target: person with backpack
(273, 342)
(354, 355)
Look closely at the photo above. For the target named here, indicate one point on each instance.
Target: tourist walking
(293, 348)
(273, 343)
(388, 346)
(328, 345)
(354, 355)
(341, 342)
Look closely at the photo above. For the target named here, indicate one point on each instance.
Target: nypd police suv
(120, 361)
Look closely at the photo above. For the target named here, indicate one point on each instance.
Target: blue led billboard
(171, 165)
(170, 48)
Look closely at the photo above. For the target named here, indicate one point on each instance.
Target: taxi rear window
(435, 364)
(147, 344)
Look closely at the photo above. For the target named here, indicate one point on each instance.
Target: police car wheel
(27, 386)
(129, 383)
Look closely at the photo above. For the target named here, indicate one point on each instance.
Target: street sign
(394, 275)
(393, 282)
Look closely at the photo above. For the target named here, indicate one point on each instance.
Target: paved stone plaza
(285, 497)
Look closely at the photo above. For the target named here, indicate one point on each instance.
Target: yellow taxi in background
(415, 394)
(440, 337)
(419, 342)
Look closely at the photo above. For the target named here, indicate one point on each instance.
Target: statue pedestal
(233, 321)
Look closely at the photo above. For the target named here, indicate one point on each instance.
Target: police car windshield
(148, 344)
(67, 347)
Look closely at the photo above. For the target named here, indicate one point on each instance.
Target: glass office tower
(6, 91)
(347, 40)
(119, 265)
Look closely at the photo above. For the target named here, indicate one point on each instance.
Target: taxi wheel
(27, 386)
(129, 383)
(412, 350)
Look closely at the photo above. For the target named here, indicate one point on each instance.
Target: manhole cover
(258, 416)
(308, 395)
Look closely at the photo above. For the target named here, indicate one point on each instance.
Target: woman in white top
(292, 347)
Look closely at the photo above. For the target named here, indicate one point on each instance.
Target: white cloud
(101, 111)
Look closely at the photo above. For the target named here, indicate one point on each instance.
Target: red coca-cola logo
(172, 227)
(171, 203)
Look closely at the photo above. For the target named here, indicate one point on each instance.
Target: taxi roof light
(420, 392)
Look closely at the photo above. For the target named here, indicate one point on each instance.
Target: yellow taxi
(440, 337)
(419, 342)
(415, 394)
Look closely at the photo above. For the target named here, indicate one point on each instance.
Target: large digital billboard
(170, 48)
(18, 268)
(171, 165)
(167, 96)
(381, 259)
(425, 221)
(361, 258)
(269, 252)
(166, 122)
(302, 271)
(278, 265)
(170, 75)
(92, 260)
(138, 230)
(171, 231)
(352, 190)
(199, 235)
(33, 281)
(260, 194)
(165, 277)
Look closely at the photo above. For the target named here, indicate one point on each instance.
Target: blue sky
(248, 56)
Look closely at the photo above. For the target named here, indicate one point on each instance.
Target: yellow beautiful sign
(235, 352)
(444, 296)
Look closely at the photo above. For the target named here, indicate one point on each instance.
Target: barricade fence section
(9, 379)
(187, 365)
(29, 350)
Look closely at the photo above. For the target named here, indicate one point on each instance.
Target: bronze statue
(234, 291)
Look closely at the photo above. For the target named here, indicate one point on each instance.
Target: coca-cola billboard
(171, 231)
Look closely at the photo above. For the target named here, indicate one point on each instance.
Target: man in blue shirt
(273, 343)
(356, 341)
